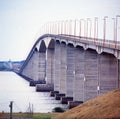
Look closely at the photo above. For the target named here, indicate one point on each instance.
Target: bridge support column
(70, 73)
(57, 64)
(91, 74)
(78, 93)
(31, 69)
(63, 68)
(49, 69)
(42, 66)
(35, 68)
(40, 63)
(62, 82)
(108, 73)
(27, 73)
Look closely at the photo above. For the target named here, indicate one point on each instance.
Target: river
(16, 89)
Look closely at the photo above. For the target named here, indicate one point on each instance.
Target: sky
(21, 20)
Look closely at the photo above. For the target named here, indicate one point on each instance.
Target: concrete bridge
(73, 68)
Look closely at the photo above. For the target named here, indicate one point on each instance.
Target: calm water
(16, 89)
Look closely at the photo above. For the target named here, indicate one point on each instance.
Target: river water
(16, 89)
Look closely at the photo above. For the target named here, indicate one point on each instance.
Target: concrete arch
(58, 41)
(51, 44)
(62, 42)
(42, 47)
(70, 44)
(79, 47)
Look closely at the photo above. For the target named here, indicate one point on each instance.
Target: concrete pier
(31, 69)
(108, 73)
(70, 74)
(42, 62)
(57, 65)
(91, 74)
(59, 95)
(44, 87)
(65, 100)
(63, 67)
(72, 104)
(50, 63)
(78, 83)
(52, 93)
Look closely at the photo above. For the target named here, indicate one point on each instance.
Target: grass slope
(106, 106)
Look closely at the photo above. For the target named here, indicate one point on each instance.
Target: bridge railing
(104, 32)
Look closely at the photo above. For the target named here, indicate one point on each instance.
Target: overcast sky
(20, 20)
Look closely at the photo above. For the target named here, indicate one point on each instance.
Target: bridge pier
(39, 62)
(60, 70)
(91, 74)
(57, 64)
(33, 69)
(50, 63)
(63, 68)
(78, 86)
(70, 74)
(49, 86)
(27, 73)
(108, 73)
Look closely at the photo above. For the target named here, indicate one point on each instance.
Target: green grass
(44, 115)
(35, 115)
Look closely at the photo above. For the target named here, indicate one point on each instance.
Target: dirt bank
(106, 106)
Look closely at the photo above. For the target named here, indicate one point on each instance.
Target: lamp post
(89, 27)
(75, 27)
(57, 27)
(61, 27)
(116, 30)
(81, 26)
(104, 29)
(70, 27)
(66, 27)
(95, 29)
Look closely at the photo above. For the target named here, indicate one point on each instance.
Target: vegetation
(58, 109)
(25, 115)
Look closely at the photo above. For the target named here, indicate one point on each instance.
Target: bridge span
(74, 68)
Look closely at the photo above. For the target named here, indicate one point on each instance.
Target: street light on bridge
(70, 27)
(95, 28)
(81, 27)
(116, 31)
(75, 27)
(89, 26)
(114, 38)
(104, 29)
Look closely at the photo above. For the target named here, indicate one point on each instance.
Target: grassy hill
(106, 106)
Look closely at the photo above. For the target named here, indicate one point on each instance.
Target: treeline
(9, 65)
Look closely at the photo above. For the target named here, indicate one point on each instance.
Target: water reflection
(14, 88)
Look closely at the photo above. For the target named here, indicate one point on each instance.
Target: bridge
(74, 68)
